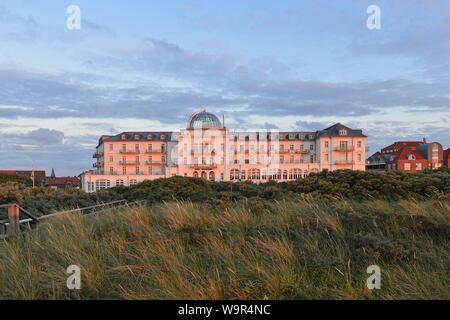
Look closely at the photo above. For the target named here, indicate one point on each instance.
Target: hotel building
(208, 150)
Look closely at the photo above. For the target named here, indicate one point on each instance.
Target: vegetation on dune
(302, 249)
(349, 184)
(307, 239)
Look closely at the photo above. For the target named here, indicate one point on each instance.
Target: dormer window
(150, 136)
(343, 132)
(411, 157)
(124, 137)
(163, 136)
(291, 136)
(136, 136)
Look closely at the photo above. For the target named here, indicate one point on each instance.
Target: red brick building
(409, 156)
(63, 183)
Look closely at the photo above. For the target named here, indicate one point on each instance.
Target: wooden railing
(14, 225)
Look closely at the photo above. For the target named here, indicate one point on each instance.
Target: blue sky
(146, 65)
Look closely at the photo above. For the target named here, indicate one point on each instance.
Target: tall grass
(285, 250)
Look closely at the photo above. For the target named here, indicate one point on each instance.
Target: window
(281, 159)
(291, 147)
(343, 132)
(359, 144)
(111, 170)
(136, 147)
(136, 136)
(111, 147)
(150, 136)
(119, 182)
(124, 147)
(163, 136)
(133, 182)
(418, 166)
(285, 175)
(124, 137)
(111, 159)
(124, 170)
(359, 157)
(411, 157)
(326, 144)
(311, 147)
(311, 158)
(291, 159)
(150, 170)
(325, 157)
(137, 170)
(163, 147)
(407, 166)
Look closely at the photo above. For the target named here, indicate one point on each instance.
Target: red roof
(62, 181)
(398, 145)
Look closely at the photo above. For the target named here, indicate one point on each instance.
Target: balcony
(97, 155)
(307, 151)
(98, 165)
(344, 162)
(154, 151)
(344, 149)
(203, 166)
(123, 151)
(156, 163)
(129, 163)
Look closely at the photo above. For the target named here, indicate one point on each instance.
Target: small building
(63, 183)
(409, 156)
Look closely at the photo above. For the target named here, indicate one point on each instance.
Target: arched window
(195, 174)
(212, 176)
(279, 174)
(285, 175)
(234, 174)
(291, 174)
(204, 175)
(242, 174)
(411, 157)
(255, 174)
(264, 174)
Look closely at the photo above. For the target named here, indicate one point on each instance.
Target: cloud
(37, 138)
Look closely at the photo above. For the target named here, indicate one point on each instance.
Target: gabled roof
(333, 131)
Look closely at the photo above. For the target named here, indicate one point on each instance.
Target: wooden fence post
(13, 217)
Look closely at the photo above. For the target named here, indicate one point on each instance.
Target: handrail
(27, 213)
(105, 206)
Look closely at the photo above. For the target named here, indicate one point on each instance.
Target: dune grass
(305, 249)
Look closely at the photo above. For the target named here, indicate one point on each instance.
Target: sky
(147, 65)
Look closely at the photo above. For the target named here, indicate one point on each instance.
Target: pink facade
(207, 150)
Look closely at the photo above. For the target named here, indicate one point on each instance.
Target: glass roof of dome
(204, 119)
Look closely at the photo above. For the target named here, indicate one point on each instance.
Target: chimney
(424, 140)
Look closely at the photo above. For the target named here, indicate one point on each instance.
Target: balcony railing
(123, 151)
(344, 149)
(97, 155)
(98, 165)
(344, 162)
(155, 151)
(156, 163)
(203, 166)
(129, 163)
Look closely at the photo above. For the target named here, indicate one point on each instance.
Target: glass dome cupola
(204, 120)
